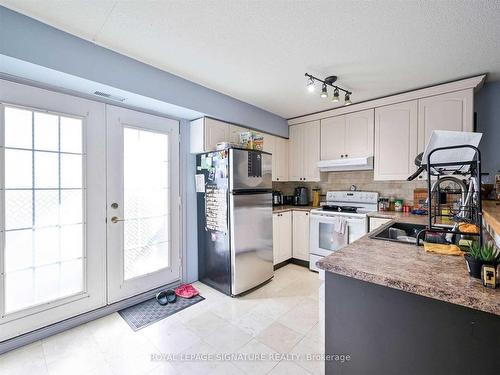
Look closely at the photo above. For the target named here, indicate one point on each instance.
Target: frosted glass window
(46, 132)
(71, 207)
(18, 250)
(146, 197)
(71, 171)
(18, 128)
(44, 199)
(18, 169)
(46, 246)
(18, 209)
(46, 170)
(71, 135)
(46, 207)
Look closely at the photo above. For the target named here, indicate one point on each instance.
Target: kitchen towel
(340, 225)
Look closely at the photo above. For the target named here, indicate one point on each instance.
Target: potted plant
(479, 255)
(489, 254)
(473, 260)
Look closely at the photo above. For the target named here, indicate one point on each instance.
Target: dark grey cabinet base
(388, 331)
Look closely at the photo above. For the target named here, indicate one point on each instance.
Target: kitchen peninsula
(396, 309)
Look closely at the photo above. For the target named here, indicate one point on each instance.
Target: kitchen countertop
(409, 268)
(491, 215)
(292, 208)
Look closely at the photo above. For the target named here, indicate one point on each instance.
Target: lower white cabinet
(376, 222)
(282, 236)
(300, 236)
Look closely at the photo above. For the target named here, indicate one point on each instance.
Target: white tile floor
(279, 318)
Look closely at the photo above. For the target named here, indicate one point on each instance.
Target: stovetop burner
(331, 207)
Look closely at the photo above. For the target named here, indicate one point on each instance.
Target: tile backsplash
(363, 181)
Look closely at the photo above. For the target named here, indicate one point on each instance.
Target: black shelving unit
(469, 211)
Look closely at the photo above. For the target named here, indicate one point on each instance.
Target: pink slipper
(186, 291)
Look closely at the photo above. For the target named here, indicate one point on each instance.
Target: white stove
(340, 221)
(351, 202)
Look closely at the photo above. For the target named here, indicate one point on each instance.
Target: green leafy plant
(474, 250)
(487, 253)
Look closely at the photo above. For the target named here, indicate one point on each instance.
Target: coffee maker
(301, 197)
(277, 198)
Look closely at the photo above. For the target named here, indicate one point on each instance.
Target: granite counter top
(409, 268)
(292, 208)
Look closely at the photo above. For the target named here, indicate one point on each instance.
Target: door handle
(116, 219)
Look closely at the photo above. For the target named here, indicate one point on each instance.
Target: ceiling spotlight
(335, 97)
(328, 81)
(324, 93)
(347, 99)
(310, 84)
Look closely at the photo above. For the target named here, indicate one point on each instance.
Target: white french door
(142, 203)
(89, 206)
(53, 197)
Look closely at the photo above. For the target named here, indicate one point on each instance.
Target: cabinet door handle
(341, 156)
(346, 155)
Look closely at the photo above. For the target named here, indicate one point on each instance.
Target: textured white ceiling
(258, 51)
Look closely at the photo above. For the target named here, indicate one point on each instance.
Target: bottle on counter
(316, 197)
(392, 204)
(383, 204)
(398, 205)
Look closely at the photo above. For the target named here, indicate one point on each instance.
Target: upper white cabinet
(450, 111)
(395, 141)
(347, 136)
(333, 138)
(304, 152)
(279, 148)
(359, 134)
(206, 133)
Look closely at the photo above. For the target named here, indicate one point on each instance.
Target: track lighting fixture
(347, 99)
(310, 85)
(328, 81)
(324, 93)
(335, 97)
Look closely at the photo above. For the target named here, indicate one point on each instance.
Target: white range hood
(346, 164)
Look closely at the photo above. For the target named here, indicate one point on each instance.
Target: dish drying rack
(469, 209)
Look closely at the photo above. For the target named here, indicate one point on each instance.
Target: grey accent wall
(189, 211)
(487, 106)
(29, 40)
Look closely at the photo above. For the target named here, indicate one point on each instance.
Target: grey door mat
(148, 312)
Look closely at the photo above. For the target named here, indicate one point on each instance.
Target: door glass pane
(46, 132)
(18, 127)
(44, 198)
(146, 209)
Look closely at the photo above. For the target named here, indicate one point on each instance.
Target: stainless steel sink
(398, 232)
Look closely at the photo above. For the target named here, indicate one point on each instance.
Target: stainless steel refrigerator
(235, 237)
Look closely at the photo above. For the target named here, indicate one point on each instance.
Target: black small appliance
(301, 197)
(277, 198)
